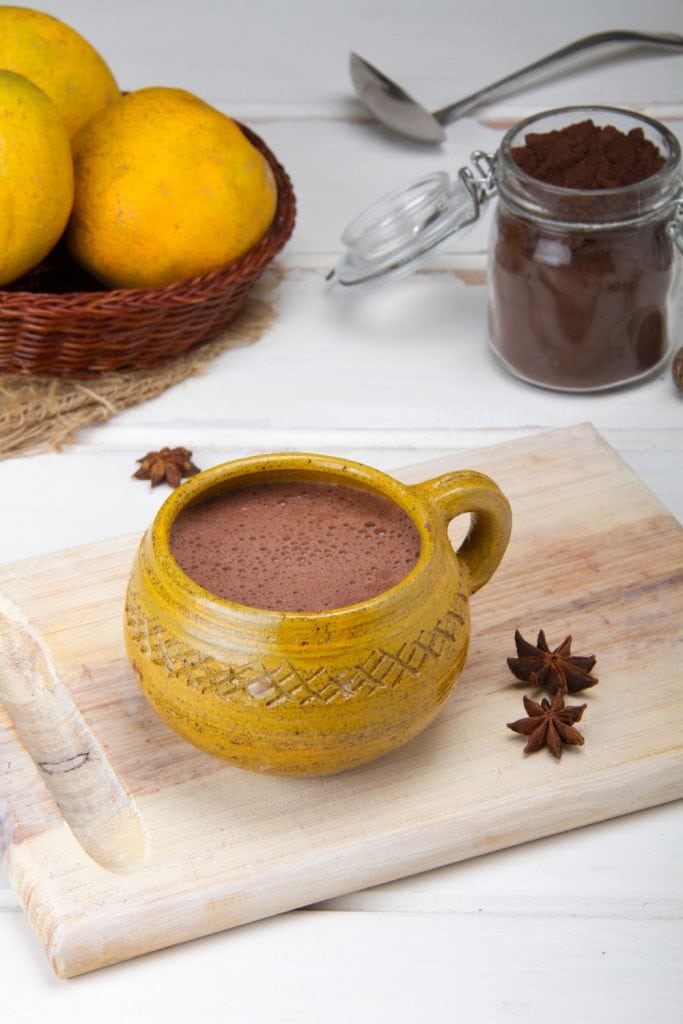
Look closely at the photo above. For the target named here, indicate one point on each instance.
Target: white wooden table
(581, 926)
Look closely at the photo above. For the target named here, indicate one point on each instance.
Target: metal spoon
(399, 111)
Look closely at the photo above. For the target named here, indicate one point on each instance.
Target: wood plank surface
(179, 845)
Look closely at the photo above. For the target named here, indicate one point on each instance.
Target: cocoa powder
(586, 156)
(571, 307)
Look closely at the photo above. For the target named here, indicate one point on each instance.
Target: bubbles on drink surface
(297, 547)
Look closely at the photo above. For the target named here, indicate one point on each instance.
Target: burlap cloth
(38, 413)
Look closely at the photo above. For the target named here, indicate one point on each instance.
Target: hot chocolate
(295, 547)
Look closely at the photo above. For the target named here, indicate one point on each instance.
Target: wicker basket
(57, 321)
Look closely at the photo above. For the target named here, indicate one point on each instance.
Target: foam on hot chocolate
(297, 547)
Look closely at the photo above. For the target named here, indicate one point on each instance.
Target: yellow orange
(167, 187)
(36, 175)
(59, 60)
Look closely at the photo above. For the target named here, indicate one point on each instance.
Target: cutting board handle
(90, 795)
(466, 491)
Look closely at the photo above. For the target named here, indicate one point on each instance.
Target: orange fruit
(167, 187)
(59, 60)
(36, 175)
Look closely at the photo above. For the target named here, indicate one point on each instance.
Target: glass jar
(582, 282)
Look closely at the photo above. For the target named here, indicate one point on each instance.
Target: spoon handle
(669, 41)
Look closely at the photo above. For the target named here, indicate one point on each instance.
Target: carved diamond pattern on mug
(272, 685)
(282, 684)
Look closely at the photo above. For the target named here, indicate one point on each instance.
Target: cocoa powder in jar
(588, 156)
(571, 306)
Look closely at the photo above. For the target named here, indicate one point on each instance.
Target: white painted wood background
(586, 925)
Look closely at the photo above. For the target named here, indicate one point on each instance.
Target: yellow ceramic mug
(317, 692)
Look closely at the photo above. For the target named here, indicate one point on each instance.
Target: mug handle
(454, 494)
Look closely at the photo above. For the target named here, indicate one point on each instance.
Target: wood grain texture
(592, 553)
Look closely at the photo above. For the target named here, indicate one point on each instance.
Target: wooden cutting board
(121, 839)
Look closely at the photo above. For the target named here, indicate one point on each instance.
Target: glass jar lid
(392, 237)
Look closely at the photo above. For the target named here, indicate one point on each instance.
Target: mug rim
(281, 467)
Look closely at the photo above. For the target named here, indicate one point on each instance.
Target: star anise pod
(549, 725)
(677, 369)
(559, 671)
(169, 464)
